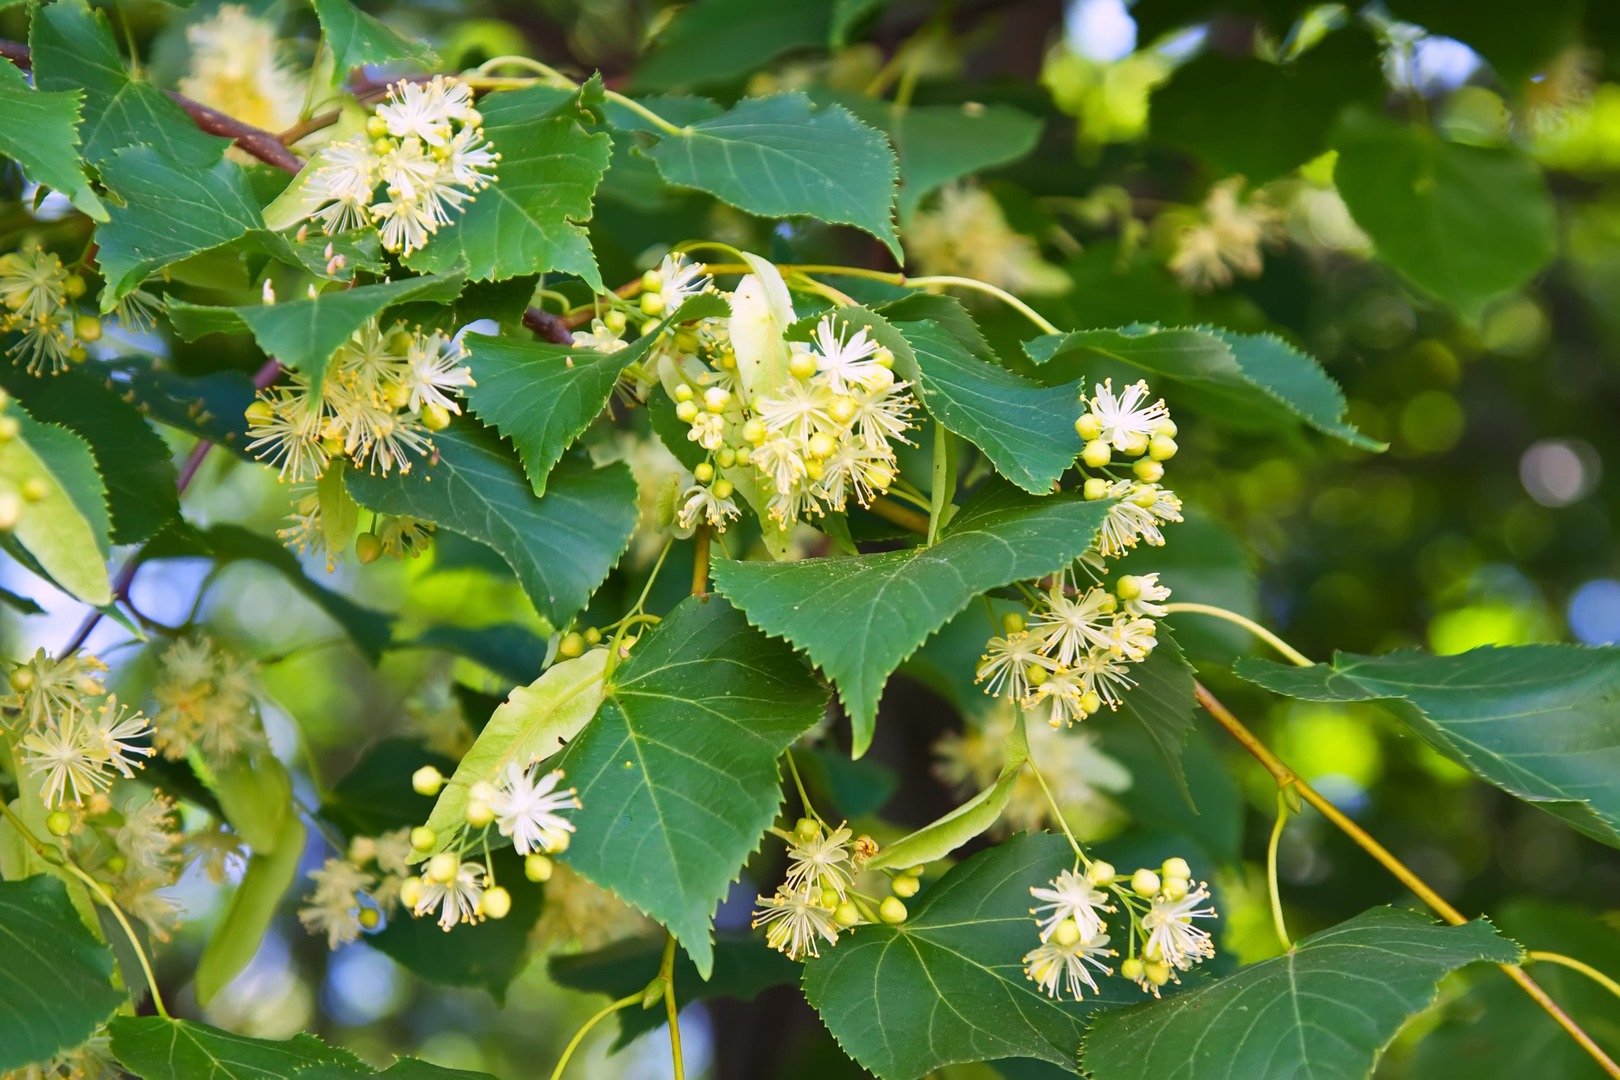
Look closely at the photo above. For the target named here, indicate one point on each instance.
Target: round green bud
(1128, 587)
(1090, 702)
(1148, 471)
(1176, 887)
(806, 829)
(76, 353)
(1157, 974)
(398, 341)
(684, 392)
(427, 780)
(410, 891)
(652, 281)
(1066, 933)
(822, 445)
(843, 409)
(744, 454)
(723, 488)
(728, 360)
(496, 903)
(117, 864)
(1101, 873)
(479, 813)
(1145, 496)
(1145, 882)
(435, 417)
(686, 411)
(847, 914)
(559, 841)
(1097, 454)
(443, 867)
(892, 910)
(382, 147)
(716, 398)
(1108, 604)
(368, 546)
(1135, 444)
(571, 645)
(1095, 488)
(369, 918)
(538, 868)
(905, 886)
(87, 328)
(815, 468)
(1162, 448)
(1132, 969)
(74, 286)
(22, 679)
(754, 432)
(652, 303)
(593, 636)
(376, 126)
(686, 340)
(59, 822)
(35, 488)
(649, 325)
(802, 365)
(830, 898)
(727, 457)
(1012, 622)
(423, 838)
(1176, 867)
(1037, 674)
(1167, 428)
(1089, 426)
(615, 321)
(883, 357)
(704, 472)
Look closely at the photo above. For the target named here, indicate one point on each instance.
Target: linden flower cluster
(424, 147)
(349, 899)
(205, 698)
(235, 68)
(1227, 239)
(1074, 941)
(522, 805)
(38, 294)
(92, 1060)
(72, 732)
(967, 234)
(818, 900)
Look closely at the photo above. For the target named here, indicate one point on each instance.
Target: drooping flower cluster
(205, 698)
(966, 234)
(350, 899)
(74, 737)
(424, 148)
(236, 68)
(1160, 906)
(813, 904)
(38, 295)
(1227, 239)
(1122, 427)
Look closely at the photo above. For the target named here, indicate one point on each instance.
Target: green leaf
(1535, 720)
(41, 134)
(1496, 1032)
(561, 547)
(1464, 223)
(936, 144)
(948, 984)
(1026, 429)
(168, 211)
(544, 396)
(531, 220)
(1162, 704)
(716, 40)
(375, 796)
(256, 796)
(209, 407)
(743, 966)
(1325, 1010)
(133, 460)
(534, 723)
(66, 529)
(157, 1049)
(304, 334)
(777, 156)
(73, 50)
(236, 939)
(859, 617)
(510, 650)
(1517, 47)
(367, 628)
(678, 771)
(940, 838)
(488, 955)
(1287, 110)
(402, 1069)
(1235, 377)
(356, 39)
(56, 982)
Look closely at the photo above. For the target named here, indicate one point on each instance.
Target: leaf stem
(1286, 776)
(804, 798)
(584, 1029)
(1573, 964)
(1293, 654)
(1271, 872)
(666, 972)
(548, 72)
(903, 516)
(1057, 811)
(700, 563)
(985, 287)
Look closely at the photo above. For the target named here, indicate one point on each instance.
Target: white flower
(1101, 674)
(424, 110)
(433, 364)
(1127, 420)
(334, 906)
(798, 410)
(457, 899)
(72, 756)
(1049, 963)
(794, 920)
(1134, 638)
(883, 414)
(1144, 604)
(1171, 936)
(1071, 628)
(821, 863)
(600, 338)
(117, 727)
(339, 190)
(1006, 663)
(526, 809)
(680, 279)
(703, 506)
(847, 362)
(235, 69)
(290, 436)
(1064, 693)
(469, 161)
(708, 430)
(1070, 896)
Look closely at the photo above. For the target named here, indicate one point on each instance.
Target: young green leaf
(561, 547)
(534, 723)
(157, 1049)
(1250, 379)
(232, 945)
(56, 983)
(859, 617)
(356, 39)
(948, 984)
(41, 134)
(304, 333)
(716, 40)
(66, 527)
(531, 220)
(1325, 1010)
(256, 795)
(1464, 223)
(678, 772)
(1535, 720)
(777, 156)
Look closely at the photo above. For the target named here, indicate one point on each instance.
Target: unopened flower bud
(1132, 969)
(704, 472)
(1148, 471)
(686, 411)
(615, 321)
(496, 903)
(847, 914)
(423, 838)
(843, 409)
(1097, 454)
(376, 126)
(1145, 882)
(410, 891)
(1167, 428)
(443, 867)
(652, 281)
(754, 432)
(652, 303)
(558, 840)
(59, 822)
(427, 780)
(1157, 974)
(1066, 933)
(1095, 488)
(22, 680)
(1176, 867)
(802, 365)
(1037, 674)
(479, 813)
(1128, 587)
(892, 910)
(1101, 873)
(716, 398)
(537, 868)
(74, 286)
(905, 886)
(684, 392)
(727, 457)
(829, 898)
(435, 417)
(822, 445)
(571, 645)
(1090, 702)
(723, 488)
(806, 829)
(35, 488)
(1012, 622)
(1089, 426)
(593, 636)
(369, 918)
(883, 357)
(1176, 887)
(87, 328)
(1162, 448)
(368, 546)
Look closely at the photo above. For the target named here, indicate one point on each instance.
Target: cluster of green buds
(1120, 430)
